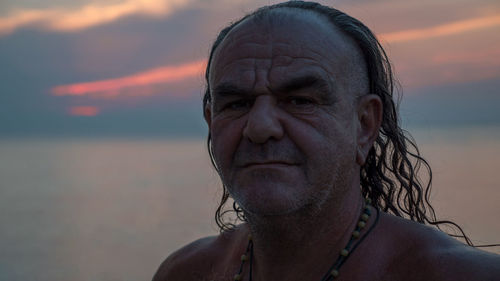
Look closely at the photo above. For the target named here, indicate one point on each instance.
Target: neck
(281, 243)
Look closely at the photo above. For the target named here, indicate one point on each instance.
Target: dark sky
(72, 68)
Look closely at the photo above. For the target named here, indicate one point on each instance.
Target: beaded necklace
(345, 253)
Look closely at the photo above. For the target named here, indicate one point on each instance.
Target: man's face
(283, 118)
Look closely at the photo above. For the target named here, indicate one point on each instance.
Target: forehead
(285, 43)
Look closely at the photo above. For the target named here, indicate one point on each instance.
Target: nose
(263, 123)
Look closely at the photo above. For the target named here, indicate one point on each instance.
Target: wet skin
(291, 122)
(283, 116)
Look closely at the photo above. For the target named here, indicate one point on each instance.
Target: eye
(301, 101)
(238, 105)
(299, 104)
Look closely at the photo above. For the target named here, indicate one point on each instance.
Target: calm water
(113, 209)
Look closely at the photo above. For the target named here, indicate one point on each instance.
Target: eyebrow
(305, 82)
(227, 89)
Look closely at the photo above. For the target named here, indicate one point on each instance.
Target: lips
(273, 153)
(268, 163)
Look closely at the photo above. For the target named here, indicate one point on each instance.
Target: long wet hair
(390, 176)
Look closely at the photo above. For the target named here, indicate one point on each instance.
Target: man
(304, 134)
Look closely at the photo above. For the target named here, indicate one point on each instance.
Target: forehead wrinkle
(317, 70)
(274, 72)
(246, 54)
(347, 55)
(335, 53)
(278, 62)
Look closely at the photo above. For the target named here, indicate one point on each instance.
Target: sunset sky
(135, 67)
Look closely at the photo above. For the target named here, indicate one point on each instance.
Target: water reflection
(112, 210)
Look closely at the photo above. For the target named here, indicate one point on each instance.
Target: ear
(207, 113)
(370, 119)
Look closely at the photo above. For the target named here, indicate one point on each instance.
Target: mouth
(269, 164)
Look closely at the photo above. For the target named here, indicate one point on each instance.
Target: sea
(106, 209)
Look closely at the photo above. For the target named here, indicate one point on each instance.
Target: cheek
(327, 142)
(314, 135)
(226, 135)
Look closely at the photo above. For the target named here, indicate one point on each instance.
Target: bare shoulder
(201, 259)
(463, 262)
(425, 253)
(178, 265)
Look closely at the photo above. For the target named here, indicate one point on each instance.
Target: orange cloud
(83, 110)
(486, 57)
(112, 88)
(441, 30)
(92, 14)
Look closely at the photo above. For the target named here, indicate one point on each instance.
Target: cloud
(88, 15)
(441, 30)
(136, 84)
(484, 57)
(83, 111)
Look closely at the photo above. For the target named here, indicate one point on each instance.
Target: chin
(268, 191)
(268, 208)
(269, 199)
